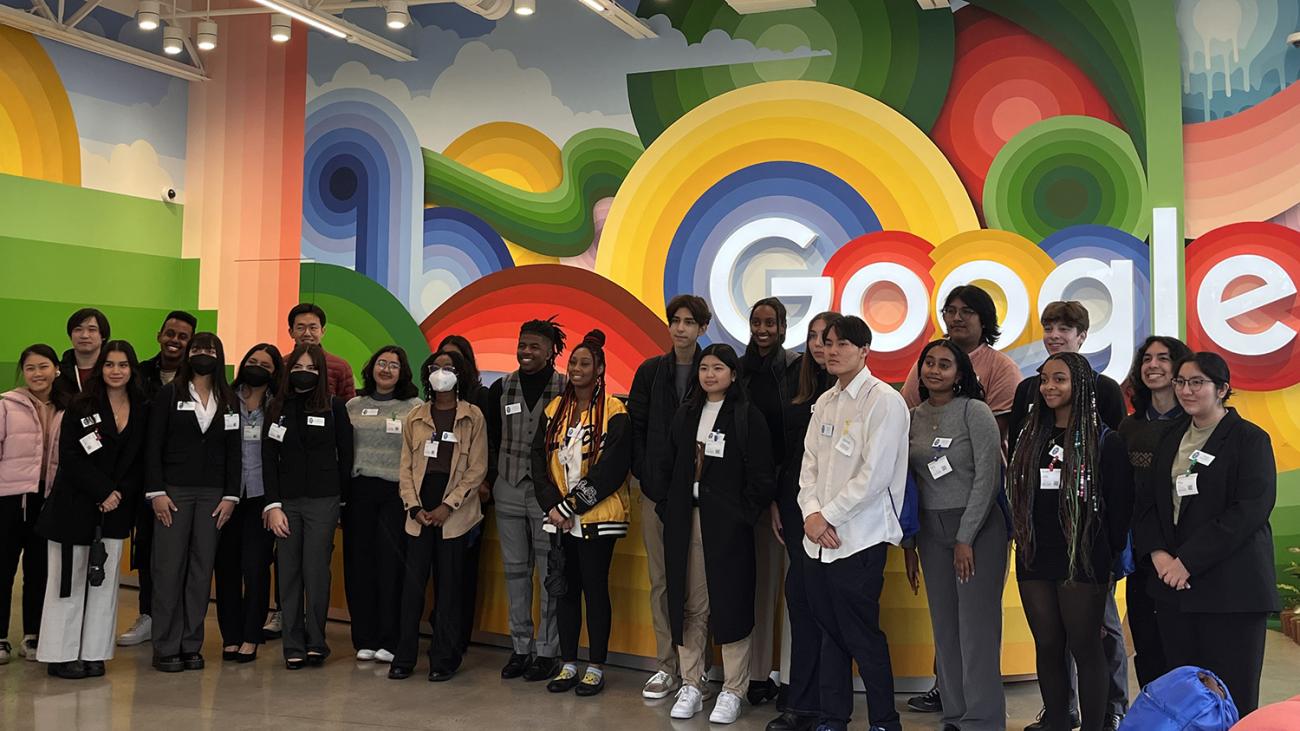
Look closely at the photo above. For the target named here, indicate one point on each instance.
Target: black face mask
(303, 380)
(203, 365)
(255, 376)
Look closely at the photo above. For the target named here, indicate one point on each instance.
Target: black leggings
(1068, 618)
(586, 567)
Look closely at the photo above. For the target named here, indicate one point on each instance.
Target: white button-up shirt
(854, 468)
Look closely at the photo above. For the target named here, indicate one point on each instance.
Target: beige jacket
(469, 461)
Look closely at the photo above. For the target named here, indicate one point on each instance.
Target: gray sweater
(377, 453)
(975, 455)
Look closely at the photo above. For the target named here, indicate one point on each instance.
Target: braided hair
(1079, 499)
(549, 329)
(567, 412)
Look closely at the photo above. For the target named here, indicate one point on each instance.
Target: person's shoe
(660, 685)
(592, 683)
(140, 632)
(365, 655)
(542, 668)
(689, 702)
(515, 666)
(726, 709)
(440, 676)
(315, 659)
(383, 656)
(792, 722)
(192, 660)
(230, 655)
(94, 668)
(295, 664)
(6, 650)
(1040, 725)
(274, 626)
(168, 663)
(950, 727)
(397, 672)
(246, 657)
(75, 670)
(928, 702)
(1113, 721)
(761, 691)
(565, 681)
(27, 648)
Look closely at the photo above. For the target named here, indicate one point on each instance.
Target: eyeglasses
(1195, 384)
(951, 311)
(387, 365)
(449, 369)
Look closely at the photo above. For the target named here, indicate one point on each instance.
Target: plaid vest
(514, 461)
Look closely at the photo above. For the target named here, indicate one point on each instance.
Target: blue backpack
(1184, 699)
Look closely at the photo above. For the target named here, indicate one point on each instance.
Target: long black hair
(567, 412)
(404, 388)
(317, 400)
(967, 383)
(277, 361)
(1139, 392)
(94, 391)
(462, 344)
(727, 355)
(811, 374)
(58, 396)
(221, 390)
(463, 383)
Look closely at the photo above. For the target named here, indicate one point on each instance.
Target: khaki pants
(769, 562)
(695, 626)
(652, 530)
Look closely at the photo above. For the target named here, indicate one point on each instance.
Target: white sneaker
(365, 655)
(140, 632)
(660, 685)
(273, 624)
(27, 648)
(727, 709)
(5, 651)
(383, 656)
(689, 702)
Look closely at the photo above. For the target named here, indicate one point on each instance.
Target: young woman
(192, 464)
(444, 459)
(1071, 494)
(955, 452)
(373, 539)
(1203, 517)
(722, 481)
(1155, 411)
(800, 710)
(89, 514)
(30, 417)
(581, 458)
(245, 549)
(306, 467)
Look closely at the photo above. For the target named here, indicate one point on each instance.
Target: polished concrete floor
(348, 694)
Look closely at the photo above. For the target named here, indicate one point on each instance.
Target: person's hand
(820, 532)
(439, 515)
(111, 502)
(776, 525)
(963, 562)
(485, 493)
(225, 509)
(1176, 576)
(277, 522)
(1160, 560)
(424, 517)
(555, 518)
(163, 507)
(913, 564)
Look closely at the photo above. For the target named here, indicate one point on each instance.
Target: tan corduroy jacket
(469, 461)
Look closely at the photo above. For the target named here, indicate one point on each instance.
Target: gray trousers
(967, 619)
(181, 562)
(303, 568)
(524, 545)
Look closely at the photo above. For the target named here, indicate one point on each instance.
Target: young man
(87, 330)
(519, 399)
(661, 384)
(851, 488)
(173, 338)
(307, 327)
(1065, 328)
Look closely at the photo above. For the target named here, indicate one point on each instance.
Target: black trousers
(444, 558)
(846, 605)
(586, 569)
(18, 539)
(243, 570)
(1231, 645)
(469, 584)
(804, 693)
(374, 549)
(1148, 650)
(1066, 620)
(142, 554)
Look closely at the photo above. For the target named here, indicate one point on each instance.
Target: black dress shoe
(542, 668)
(1042, 725)
(169, 663)
(295, 664)
(515, 666)
(564, 683)
(229, 655)
(315, 659)
(95, 669)
(440, 676)
(1113, 720)
(397, 672)
(761, 691)
(246, 657)
(928, 702)
(950, 727)
(587, 690)
(792, 722)
(74, 670)
(192, 660)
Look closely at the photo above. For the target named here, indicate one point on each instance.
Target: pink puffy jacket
(21, 443)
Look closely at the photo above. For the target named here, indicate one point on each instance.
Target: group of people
(736, 455)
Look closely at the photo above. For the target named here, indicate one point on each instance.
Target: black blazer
(312, 460)
(85, 480)
(180, 455)
(1222, 536)
(651, 404)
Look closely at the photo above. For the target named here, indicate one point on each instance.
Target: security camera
(1293, 40)
(169, 195)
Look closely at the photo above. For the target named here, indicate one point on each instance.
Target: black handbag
(98, 558)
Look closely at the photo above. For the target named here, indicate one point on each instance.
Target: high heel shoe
(294, 664)
(230, 655)
(246, 657)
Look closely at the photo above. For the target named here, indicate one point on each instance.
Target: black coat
(151, 376)
(71, 512)
(772, 383)
(311, 460)
(651, 405)
(1222, 536)
(178, 454)
(734, 490)
(794, 423)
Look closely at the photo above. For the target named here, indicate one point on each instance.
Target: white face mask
(442, 381)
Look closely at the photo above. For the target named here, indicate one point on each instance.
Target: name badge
(942, 442)
(232, 422)
(568, 434)
(939, 467)
(252, 434)
(431, 449)
(91, 420)
(512, 409)
(827, 430)
(276, 432)
(370, 412)
(1049, 479)
(185, 405)
(715, 448)
(315, 421)
(845, 446)
(448, 437)
(91, 443)
(1185, 485)
(716, 436)
(393, 426)
(1202, 458)
(1056, 452)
